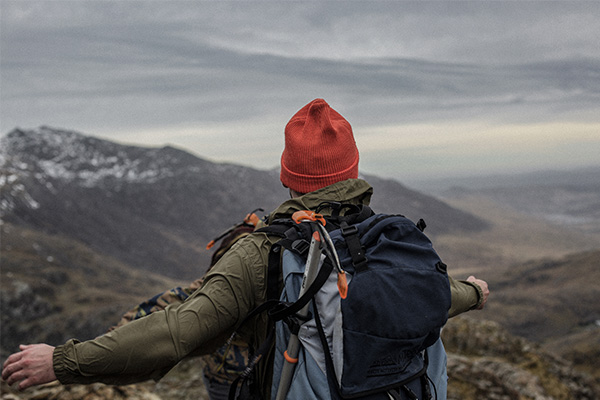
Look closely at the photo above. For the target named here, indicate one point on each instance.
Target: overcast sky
(430, 88)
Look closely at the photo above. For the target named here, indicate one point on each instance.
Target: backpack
(370, 341)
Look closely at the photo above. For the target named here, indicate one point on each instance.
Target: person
(222, 367)
(319, 163)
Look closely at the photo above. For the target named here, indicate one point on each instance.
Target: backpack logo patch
(391, 365)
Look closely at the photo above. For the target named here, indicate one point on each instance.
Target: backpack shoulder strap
(349, 231)
(292, 238)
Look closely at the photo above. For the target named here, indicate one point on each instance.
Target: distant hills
(570, 198)
(582, 176)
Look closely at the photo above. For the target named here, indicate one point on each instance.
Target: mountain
(90, 228)
(155, 208)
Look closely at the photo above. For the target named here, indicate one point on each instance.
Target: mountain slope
(553, 302)
(55, 288)
(557, 284)
(154, 209)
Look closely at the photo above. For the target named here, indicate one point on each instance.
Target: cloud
(476, 148)
(198, 73)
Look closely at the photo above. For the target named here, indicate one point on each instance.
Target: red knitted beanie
(319, 149)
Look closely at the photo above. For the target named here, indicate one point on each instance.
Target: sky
(432, 88)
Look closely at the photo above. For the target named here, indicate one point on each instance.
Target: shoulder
(254, 247)
(245, 264)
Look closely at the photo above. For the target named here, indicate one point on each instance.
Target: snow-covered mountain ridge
(53, 158)
(69, 156)
(132, 202)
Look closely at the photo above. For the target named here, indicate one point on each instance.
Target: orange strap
(342, 284)
(290, 359)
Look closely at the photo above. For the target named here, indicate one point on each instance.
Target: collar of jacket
(353, 191)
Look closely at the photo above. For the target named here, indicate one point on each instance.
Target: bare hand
(484, 289)
(31, 366)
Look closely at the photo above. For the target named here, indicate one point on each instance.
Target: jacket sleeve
(149, 347)
(465, 296)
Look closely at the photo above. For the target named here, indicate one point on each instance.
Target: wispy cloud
(205, 74)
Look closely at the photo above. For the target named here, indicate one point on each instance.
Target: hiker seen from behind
(319, 165)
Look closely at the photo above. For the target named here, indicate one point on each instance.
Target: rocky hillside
(55, 288)
(484, 362)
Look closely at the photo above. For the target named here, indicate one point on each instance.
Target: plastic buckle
(300, 245)
(349, 230)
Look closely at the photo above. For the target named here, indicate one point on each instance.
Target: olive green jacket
(148, 347)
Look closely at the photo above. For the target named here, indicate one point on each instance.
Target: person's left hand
(484, 289)
(31, 366)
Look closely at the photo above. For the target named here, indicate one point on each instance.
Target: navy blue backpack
(372, 343)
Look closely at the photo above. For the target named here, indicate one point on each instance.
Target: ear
(294, 194)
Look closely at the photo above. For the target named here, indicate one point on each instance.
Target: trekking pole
(310, 271)
(329, 249)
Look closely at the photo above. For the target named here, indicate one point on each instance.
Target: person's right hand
(31, 366)
(484, 289)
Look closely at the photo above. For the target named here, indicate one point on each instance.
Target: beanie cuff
(304, 183)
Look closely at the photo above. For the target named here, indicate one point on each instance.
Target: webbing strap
(334, 386)
(292, 238)
(244, 379)
(273, 272)
(285, 310)
(350, 234)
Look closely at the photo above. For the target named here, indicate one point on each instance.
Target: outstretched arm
(143, 349)
(485, 291)
(148, 347)
(31, 366)
(467, 295)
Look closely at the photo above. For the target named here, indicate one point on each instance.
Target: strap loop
(350, 234)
